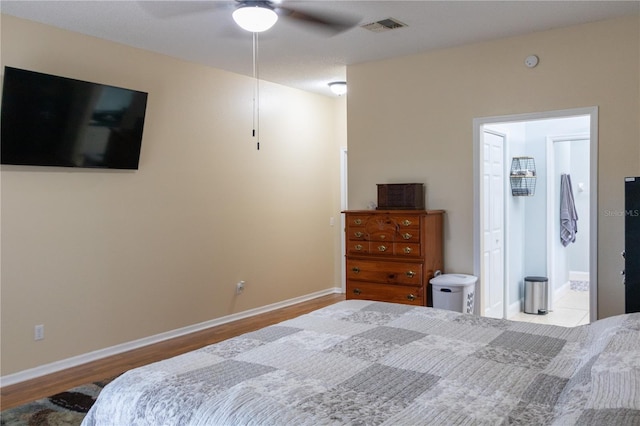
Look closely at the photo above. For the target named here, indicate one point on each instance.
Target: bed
(372, 363)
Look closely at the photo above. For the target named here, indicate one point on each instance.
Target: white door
(493, 224)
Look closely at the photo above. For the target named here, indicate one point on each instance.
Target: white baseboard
(515, 308)
(75, 361)
(562, 290)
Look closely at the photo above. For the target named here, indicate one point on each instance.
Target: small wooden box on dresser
(392, 254)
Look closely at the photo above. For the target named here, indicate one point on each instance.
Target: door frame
(344, 205)
(478, 124)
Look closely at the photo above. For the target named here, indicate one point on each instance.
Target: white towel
(568, 214)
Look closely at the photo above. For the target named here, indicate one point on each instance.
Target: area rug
(63, 409)
(579, 285)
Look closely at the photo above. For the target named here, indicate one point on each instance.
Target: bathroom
(532, 243)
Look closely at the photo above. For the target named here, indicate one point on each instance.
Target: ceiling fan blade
(172, 9)
(332, 23)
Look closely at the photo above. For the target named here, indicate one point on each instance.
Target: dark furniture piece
(392, 254)
(632, 244)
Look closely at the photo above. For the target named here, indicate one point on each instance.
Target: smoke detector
(384, 25)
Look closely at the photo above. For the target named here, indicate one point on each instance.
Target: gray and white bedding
(371, 363)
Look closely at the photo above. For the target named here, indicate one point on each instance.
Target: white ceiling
(298, 55)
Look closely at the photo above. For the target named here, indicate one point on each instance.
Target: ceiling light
(255, 18)
(338, 87)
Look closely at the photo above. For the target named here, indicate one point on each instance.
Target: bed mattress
(373, 363)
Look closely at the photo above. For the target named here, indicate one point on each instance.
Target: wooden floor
(30, 390)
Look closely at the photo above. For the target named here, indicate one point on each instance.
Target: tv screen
(48, 120)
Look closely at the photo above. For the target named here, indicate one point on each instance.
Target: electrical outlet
(239, 287)
(38, 332)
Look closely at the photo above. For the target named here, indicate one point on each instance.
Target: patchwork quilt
(371, 363)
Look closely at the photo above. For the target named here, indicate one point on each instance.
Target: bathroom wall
(536, 207)
(579, 251)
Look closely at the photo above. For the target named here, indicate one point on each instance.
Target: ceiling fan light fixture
(338, 87)
(255, 18)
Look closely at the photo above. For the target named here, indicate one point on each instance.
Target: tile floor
(570, 309)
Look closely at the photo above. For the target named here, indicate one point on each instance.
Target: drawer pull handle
(358, 234)
(382, 248)
(406, 222)
(411, 296)
(407, 250)
(357, 291)
(355, 270)
(358, 247)
(410, 274)
(407, 236)
(358, 221)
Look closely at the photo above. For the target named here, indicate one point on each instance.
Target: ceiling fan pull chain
(253, 109)
(256, 98)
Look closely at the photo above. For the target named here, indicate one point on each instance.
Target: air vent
(384, 25)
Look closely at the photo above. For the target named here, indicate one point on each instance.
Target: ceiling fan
(260, 15)
(256, 15)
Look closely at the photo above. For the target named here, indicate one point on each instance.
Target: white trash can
(454, 292)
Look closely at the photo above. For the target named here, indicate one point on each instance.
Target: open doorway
(518, 236)
(344, 205)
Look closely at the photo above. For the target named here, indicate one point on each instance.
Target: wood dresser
(392, 254)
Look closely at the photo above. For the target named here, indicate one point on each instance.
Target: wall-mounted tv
(48, 120)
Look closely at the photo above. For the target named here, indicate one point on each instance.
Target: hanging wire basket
(523, 176)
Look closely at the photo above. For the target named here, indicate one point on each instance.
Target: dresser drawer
(380, 248)
(410, 235)
(384, 227)
(383, 235)
(400, 273)
(385, 293)
(381, 228)
(406, 250)
(407, 221)
(357, 220)
(358, 247)
(357, 233)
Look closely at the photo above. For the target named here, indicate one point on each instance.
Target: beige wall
(106, 257)
(410, 120)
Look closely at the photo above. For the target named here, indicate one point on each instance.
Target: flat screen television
(48, 120)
